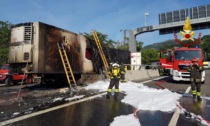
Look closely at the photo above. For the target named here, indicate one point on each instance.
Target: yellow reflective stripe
(125, 68)
(198, 80)
(191, 79)
(122, 72)
(198, 93)
(193, 91)
(116, 90)
(200, 68)
(109, 90)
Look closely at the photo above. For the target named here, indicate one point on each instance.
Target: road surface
(96, 110)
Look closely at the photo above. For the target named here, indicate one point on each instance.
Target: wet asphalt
(102, 111)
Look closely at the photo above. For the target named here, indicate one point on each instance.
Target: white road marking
(175, 117)
(48, 110)
(188, 89)
(177, 112)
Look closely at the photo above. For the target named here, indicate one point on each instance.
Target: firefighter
(195, 78)
(116, 73)
(123, 69)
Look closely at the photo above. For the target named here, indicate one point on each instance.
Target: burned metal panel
(117, 56)
(49, 59)
(20, 48)
(94, 55)
(87, 64)
(112, 55)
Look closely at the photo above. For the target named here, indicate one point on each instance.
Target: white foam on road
(142, 98)
(125, 120)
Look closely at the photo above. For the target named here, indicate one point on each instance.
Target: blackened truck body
(35, 44)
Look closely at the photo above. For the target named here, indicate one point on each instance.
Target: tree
(5, 30)
(103, 38)
(123, 46)
(139, 46)
(149, 55)
(205, 43)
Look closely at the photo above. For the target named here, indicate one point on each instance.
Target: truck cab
(166, 62)
(182, 59)
(9, 78)
(3, 72)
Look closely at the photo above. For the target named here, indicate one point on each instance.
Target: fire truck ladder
(98, 43)
(67, 66)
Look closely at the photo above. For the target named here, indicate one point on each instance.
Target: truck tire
(29, 80)
(15, 82)
(8, 81)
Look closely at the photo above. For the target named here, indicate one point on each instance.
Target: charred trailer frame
(35, 43)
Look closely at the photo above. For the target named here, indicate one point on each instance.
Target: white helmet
(115, 65)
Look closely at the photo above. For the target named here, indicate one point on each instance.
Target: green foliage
(3, 54)
(103, 38)
(4, 33)
(149, 55)
(5, 30)
(124, 47)
(168, 44)
(139, 46)
(205, 43)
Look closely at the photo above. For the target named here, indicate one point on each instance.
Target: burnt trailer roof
(31, 23)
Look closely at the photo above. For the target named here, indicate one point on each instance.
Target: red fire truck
(166, 63)
(14, 78)
(182, 59)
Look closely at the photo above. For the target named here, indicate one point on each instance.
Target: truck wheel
(29, 80)
(15, 82)
(8, 81)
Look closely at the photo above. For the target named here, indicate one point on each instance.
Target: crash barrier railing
(139, 67)
(140, 72)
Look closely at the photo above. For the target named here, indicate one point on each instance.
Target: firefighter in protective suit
(195, 78)
(116, 73)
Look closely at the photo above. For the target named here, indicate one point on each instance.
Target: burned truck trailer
(34, 45)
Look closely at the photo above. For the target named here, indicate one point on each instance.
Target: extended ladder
(98, 43)
(66, 66)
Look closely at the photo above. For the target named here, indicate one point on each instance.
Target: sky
(105, 16)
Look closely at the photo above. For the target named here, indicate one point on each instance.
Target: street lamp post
(124, 39)
(145, 16)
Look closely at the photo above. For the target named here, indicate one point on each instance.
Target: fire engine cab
(182, 59)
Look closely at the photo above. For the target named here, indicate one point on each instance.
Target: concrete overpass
(174, 27)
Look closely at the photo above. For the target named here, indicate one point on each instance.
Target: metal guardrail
(139, 67)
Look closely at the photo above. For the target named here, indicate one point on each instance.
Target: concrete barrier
(138, 75)
(131, 75)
